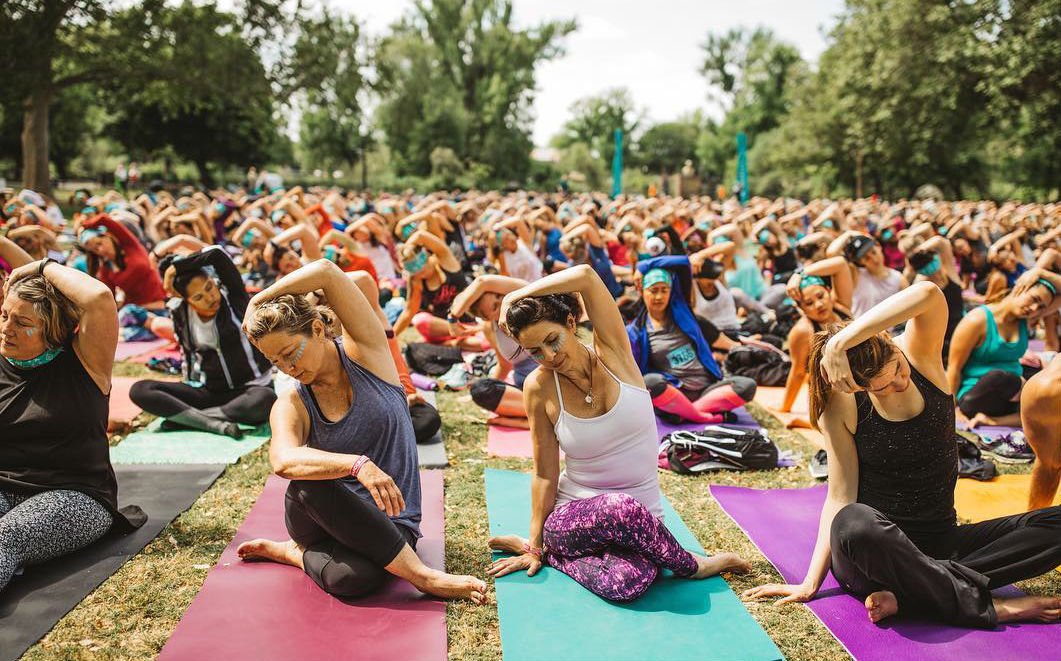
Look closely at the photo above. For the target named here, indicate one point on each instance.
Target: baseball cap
(858, 247)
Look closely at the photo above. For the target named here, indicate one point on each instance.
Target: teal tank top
(748, 277)
(994, 353)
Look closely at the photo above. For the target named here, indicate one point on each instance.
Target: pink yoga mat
(171, 351)
(783, 523)
(265, 611)
(127, 350)
(509, 442)
(122, 410)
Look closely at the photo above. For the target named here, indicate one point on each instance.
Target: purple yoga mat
(988, 431)
(783, 523)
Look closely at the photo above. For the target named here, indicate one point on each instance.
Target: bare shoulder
(841, 408)
(540, 396)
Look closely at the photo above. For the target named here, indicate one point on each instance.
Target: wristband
(361, 461)
(44, 262)
(533, 550)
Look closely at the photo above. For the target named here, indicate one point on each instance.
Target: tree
(66, 43)
(594, 120)
(327, 65)
(459, 74)
(224, 117)
(665, 147)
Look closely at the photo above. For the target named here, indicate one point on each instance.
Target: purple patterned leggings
(612, 545)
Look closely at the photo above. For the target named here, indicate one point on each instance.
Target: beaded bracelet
(361, 461)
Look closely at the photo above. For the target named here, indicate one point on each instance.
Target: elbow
(283, 466)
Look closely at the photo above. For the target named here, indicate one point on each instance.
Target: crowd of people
(903, 320)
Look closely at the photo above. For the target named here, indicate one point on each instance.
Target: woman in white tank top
(599, 520)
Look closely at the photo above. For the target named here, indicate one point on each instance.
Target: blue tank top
(552, 246)
(378, 426)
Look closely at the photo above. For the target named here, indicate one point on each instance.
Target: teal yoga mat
(152, 446)
(552, 617)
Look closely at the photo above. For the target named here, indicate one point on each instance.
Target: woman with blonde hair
(58, 493)
(344, 438)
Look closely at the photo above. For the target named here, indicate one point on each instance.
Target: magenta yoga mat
(271, 612)
(510, 442)
(783, 523)
(127, 350)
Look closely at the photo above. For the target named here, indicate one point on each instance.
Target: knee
(744, 387)
(488, 393)
(855, 526)
(627, 589)
(341, 581)
(140, 393)
(656, 384)
(622, 507)
(422, 321)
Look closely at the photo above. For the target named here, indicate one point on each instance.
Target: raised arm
(608, 328)
(438, 248)
(11, 253)
(355, 313)
(922, 305)
(484, 284)
(839, 270)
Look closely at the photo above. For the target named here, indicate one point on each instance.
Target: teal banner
(742, 167)
(617, 164)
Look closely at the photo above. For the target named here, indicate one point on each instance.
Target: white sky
(651, 47)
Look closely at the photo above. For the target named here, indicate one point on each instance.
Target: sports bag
(717, 447)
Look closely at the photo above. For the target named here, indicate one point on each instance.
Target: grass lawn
(134, 612)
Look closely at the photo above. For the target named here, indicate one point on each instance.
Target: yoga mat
(122, 410)
(153, 446)
(127, 350)
(1006, 494)
(32, 603)
(267, 611)
(798, 419)
(552, 617)
(432, 454)
(171, 351)
(990, 432)
(783, 523)
(511, 442)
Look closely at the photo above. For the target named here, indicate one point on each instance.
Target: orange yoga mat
(798, 420)
(1002, 496)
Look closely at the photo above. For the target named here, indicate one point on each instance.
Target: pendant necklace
(589, 394)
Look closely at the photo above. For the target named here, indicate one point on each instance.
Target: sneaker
(819, 465)
(456, 378)
(1009, 449)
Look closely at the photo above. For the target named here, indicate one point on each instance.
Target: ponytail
(867, 359)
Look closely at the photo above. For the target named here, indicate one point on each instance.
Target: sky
(651, 47)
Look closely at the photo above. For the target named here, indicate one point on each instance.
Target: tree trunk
(35, 141)
(204, 174)
(364, 171)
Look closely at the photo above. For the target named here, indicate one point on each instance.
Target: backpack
(432, 359)
(717, 447)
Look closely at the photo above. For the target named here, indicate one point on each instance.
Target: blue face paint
(887, 235)
(295, 357)
(417, 263)
(88, 211)
(932, 267)
(831, 224)
(408, 230)
(11, 209)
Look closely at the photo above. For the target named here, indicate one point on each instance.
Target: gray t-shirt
(674, 353)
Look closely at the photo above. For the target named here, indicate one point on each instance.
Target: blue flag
(617, 164)
(742, 166)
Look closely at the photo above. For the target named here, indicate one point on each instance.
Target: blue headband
(932, 267)
(810, 281)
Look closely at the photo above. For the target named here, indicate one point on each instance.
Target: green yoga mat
(152, 446)
(550, 616)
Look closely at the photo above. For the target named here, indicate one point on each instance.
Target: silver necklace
(589, 394)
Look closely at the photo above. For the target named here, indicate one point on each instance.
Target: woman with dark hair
(984, 367)
(344, 438)
(483, 300)
(434, 278)
(933, 261)
(120, 261)
(58, 493)
(672, 347)
(888, 528)
(599, 520)
(227, 381)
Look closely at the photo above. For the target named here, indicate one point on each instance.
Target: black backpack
(717, 447)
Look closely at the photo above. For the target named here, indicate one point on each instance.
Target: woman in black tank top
(888, 423)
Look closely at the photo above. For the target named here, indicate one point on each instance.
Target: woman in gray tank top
(345, 440)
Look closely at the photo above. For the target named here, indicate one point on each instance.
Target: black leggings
(347, 540)
(993, 393)
(952, 581)
(248, 406)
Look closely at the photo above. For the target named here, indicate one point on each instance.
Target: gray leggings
(37, 528)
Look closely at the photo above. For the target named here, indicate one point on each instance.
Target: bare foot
(452, 586)
(286, 553)
(880, 605)
(716, 564)
(1028, 609)
(507, 543)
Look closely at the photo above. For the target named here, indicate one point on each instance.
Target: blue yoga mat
(550, 616)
